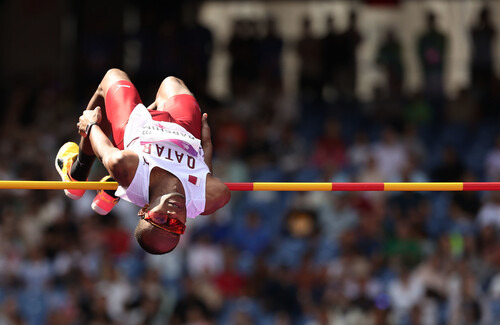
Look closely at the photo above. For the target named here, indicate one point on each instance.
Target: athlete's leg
(170, 86)
(117, 97)
(175, 98)
(99, 99)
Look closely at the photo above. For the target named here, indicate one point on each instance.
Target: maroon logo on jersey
(194, 180)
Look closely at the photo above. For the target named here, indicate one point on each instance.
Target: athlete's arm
(217, 194)
(121, 164)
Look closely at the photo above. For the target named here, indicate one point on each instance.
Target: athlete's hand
(206, 137)
(88, 117)
(206, 140)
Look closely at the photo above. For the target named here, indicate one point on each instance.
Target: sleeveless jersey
(170, 147)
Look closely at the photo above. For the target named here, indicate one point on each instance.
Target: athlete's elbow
(226, 196)
(118, 165)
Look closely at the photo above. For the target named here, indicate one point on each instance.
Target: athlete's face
(168, 213)
(173, 205)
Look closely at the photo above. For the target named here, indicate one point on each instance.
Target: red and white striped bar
(283, 186)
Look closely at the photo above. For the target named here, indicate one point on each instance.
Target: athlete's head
(161, 223)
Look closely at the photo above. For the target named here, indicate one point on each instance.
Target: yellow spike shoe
(64, 160)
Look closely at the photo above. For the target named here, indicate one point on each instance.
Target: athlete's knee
(173, 82)
(171, 86)
(111, 76)
(116, 74)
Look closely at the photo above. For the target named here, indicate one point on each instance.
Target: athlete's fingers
(152, 106)
(98, 116)
(204, 121)
(206, 138)
(94, 115)
(205, 128)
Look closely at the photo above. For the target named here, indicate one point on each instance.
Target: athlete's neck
(162, 182)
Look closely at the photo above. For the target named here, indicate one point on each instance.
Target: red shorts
(122, 98)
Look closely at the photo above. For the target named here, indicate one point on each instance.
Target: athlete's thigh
(175, 98)
(121, 97)
(170, 86)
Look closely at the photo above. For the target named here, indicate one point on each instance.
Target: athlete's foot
(64, 160)
(104, 202)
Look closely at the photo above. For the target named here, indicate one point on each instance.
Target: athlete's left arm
(217, 194)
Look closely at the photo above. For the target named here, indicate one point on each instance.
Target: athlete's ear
(143, 210)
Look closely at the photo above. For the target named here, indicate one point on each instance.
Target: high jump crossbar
(274, 186)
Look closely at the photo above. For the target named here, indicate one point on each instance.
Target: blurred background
(314, 91)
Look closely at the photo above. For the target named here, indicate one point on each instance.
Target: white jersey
(170, 147)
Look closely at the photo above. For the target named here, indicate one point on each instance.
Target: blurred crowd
(402, 258)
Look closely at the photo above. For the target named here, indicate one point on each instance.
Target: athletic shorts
(122, 98)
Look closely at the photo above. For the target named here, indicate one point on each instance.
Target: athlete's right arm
(121, 164)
